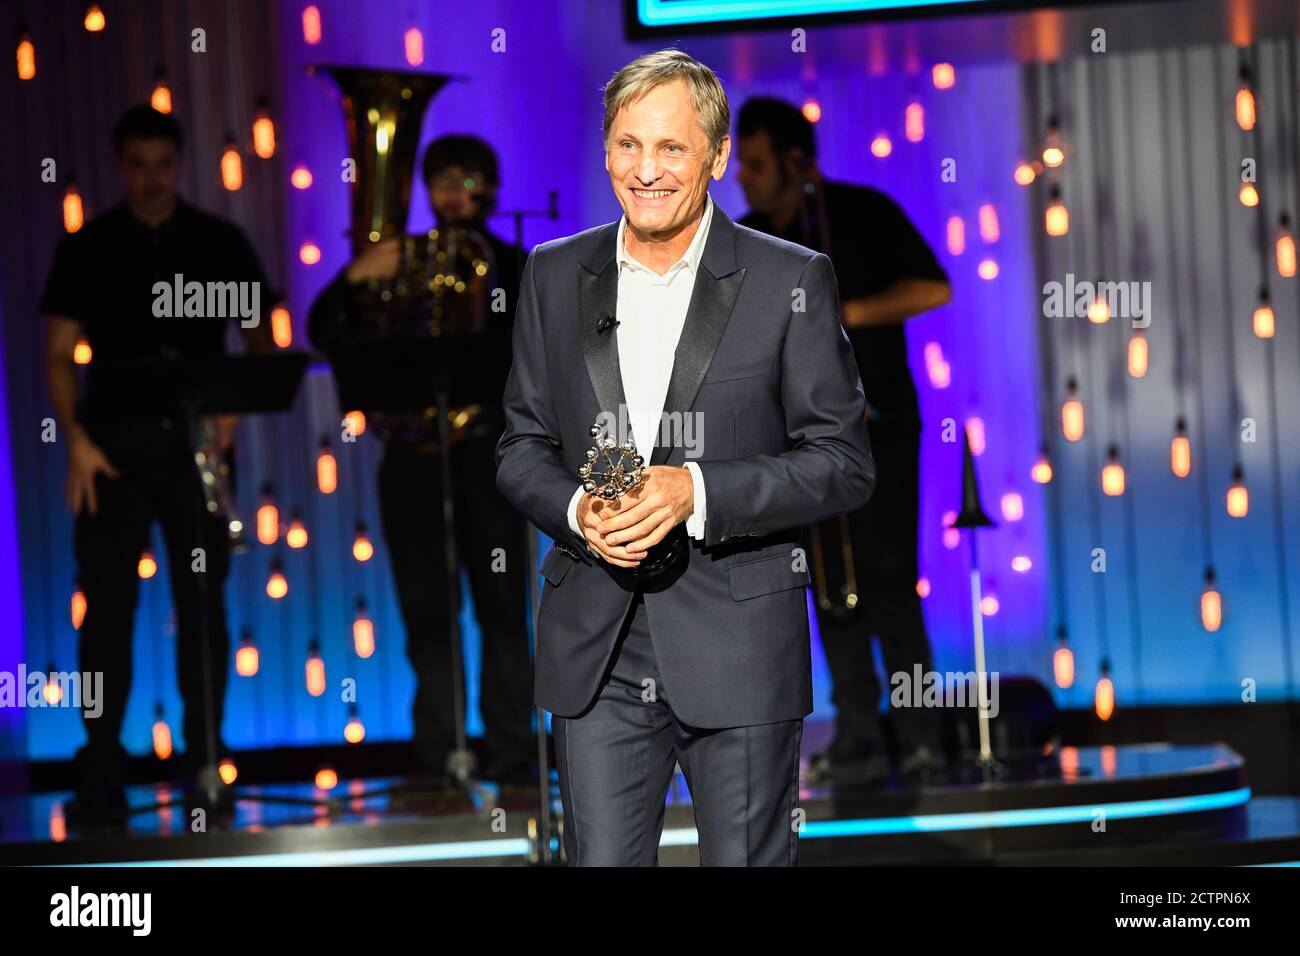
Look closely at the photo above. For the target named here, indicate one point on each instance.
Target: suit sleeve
(530, 467)
(829, 469)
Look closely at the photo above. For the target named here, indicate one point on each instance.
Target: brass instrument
(444, 281)
(214, 476)
(831, 538)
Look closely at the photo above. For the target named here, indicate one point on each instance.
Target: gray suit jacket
(775, 390)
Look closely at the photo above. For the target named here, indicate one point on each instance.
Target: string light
(268, 517)
(161, 97)
(355, 731)
(147, 567)
(78, 607)
(1180, 451)
(26, 57)
(1245, 101)
(1072, 412)
(94, 21)
(1063, 662)
(1104, 696)
(1284, 248)
(296, 537)
(881, 146)
(277, 585)
(943, 75)
(988, 217)
(1041, 473)
(363, 631)
(1211, 604)
(247, 658)
(327, 469)
(914, 122)
(1139, 355)
(232, 166)
(956, 235)
(74, 213)
(311, 31)
(263, 130)
(1053, 150)
(162, 734)
(812, 111)
(315, 670)
(413, 42)
(281, 327)
(1238, 497)
(1112, 475)
(362, 549)
(1013, 506)
(1056, 218)
(1262, 319)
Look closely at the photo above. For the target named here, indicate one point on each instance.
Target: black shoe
(921, 763)
(849, 760)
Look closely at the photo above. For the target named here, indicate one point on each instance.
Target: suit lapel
(598, 296)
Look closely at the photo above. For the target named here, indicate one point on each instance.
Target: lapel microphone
(605, 323)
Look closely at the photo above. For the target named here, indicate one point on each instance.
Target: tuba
(445, 278)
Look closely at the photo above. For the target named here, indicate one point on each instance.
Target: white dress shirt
(651, 312)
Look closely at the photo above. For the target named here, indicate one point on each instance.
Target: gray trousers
(615, 763)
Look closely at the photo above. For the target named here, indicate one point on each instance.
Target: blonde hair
(664, 66)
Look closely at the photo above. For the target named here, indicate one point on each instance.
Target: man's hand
(380, 260)
(623, 530)
(85, 460)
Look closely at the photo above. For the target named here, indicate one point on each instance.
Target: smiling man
(673, 313)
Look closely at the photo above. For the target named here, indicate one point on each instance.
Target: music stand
(190, 388)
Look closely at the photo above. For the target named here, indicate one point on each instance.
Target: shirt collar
(690, 258)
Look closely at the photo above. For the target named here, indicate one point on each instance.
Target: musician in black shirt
(128, 468)
(886, 273)
(462, 177)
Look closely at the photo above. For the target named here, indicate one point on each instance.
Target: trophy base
(663, 564)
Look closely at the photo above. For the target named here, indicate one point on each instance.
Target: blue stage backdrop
(530, 77)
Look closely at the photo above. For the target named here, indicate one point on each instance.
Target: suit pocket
(555, 566)
(766, 576)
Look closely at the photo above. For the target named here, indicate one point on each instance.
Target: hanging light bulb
(1211, 604)
(1248, 195)
(1284, 247)
(956, 235)
(1238, 497)
(988, 217)
(327, 469)
(1053, 147)
(988, 269)
(1112, 476)
(943, 75)
(989, 605)
(1057, 217)
(1104, 696)
(311, 31)
(881, 146)
(1013, 506)
(914, 122)
(301, 178)
(1063, 661)
(232, 166)
(1262, 319)
(268, 517)
(936, 366)
(281, 327)
(362, 549)
(247, 657)
(53, 690)
(413, 42)
(363, 631)
(309, 253)
(1139, 354)
(78, 607)
(81, 352)
(326, 778)
(94, 20)
(26, 57)
(1245, 102)
(1022, 564)
(74, 212)
(975, 432)
(162, 733)
(355, 731)
(923, 588)
(811, 110)
(1180, 451)
(263, 130)
(1072, 412)
(296, 537)
(147, 567)
(277, 585)
(1042, 470)
(1099, 310)
(228, 771)
(355, 422)
(1025, 174)
(161, 97)
(315, 670)
(951, 535)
